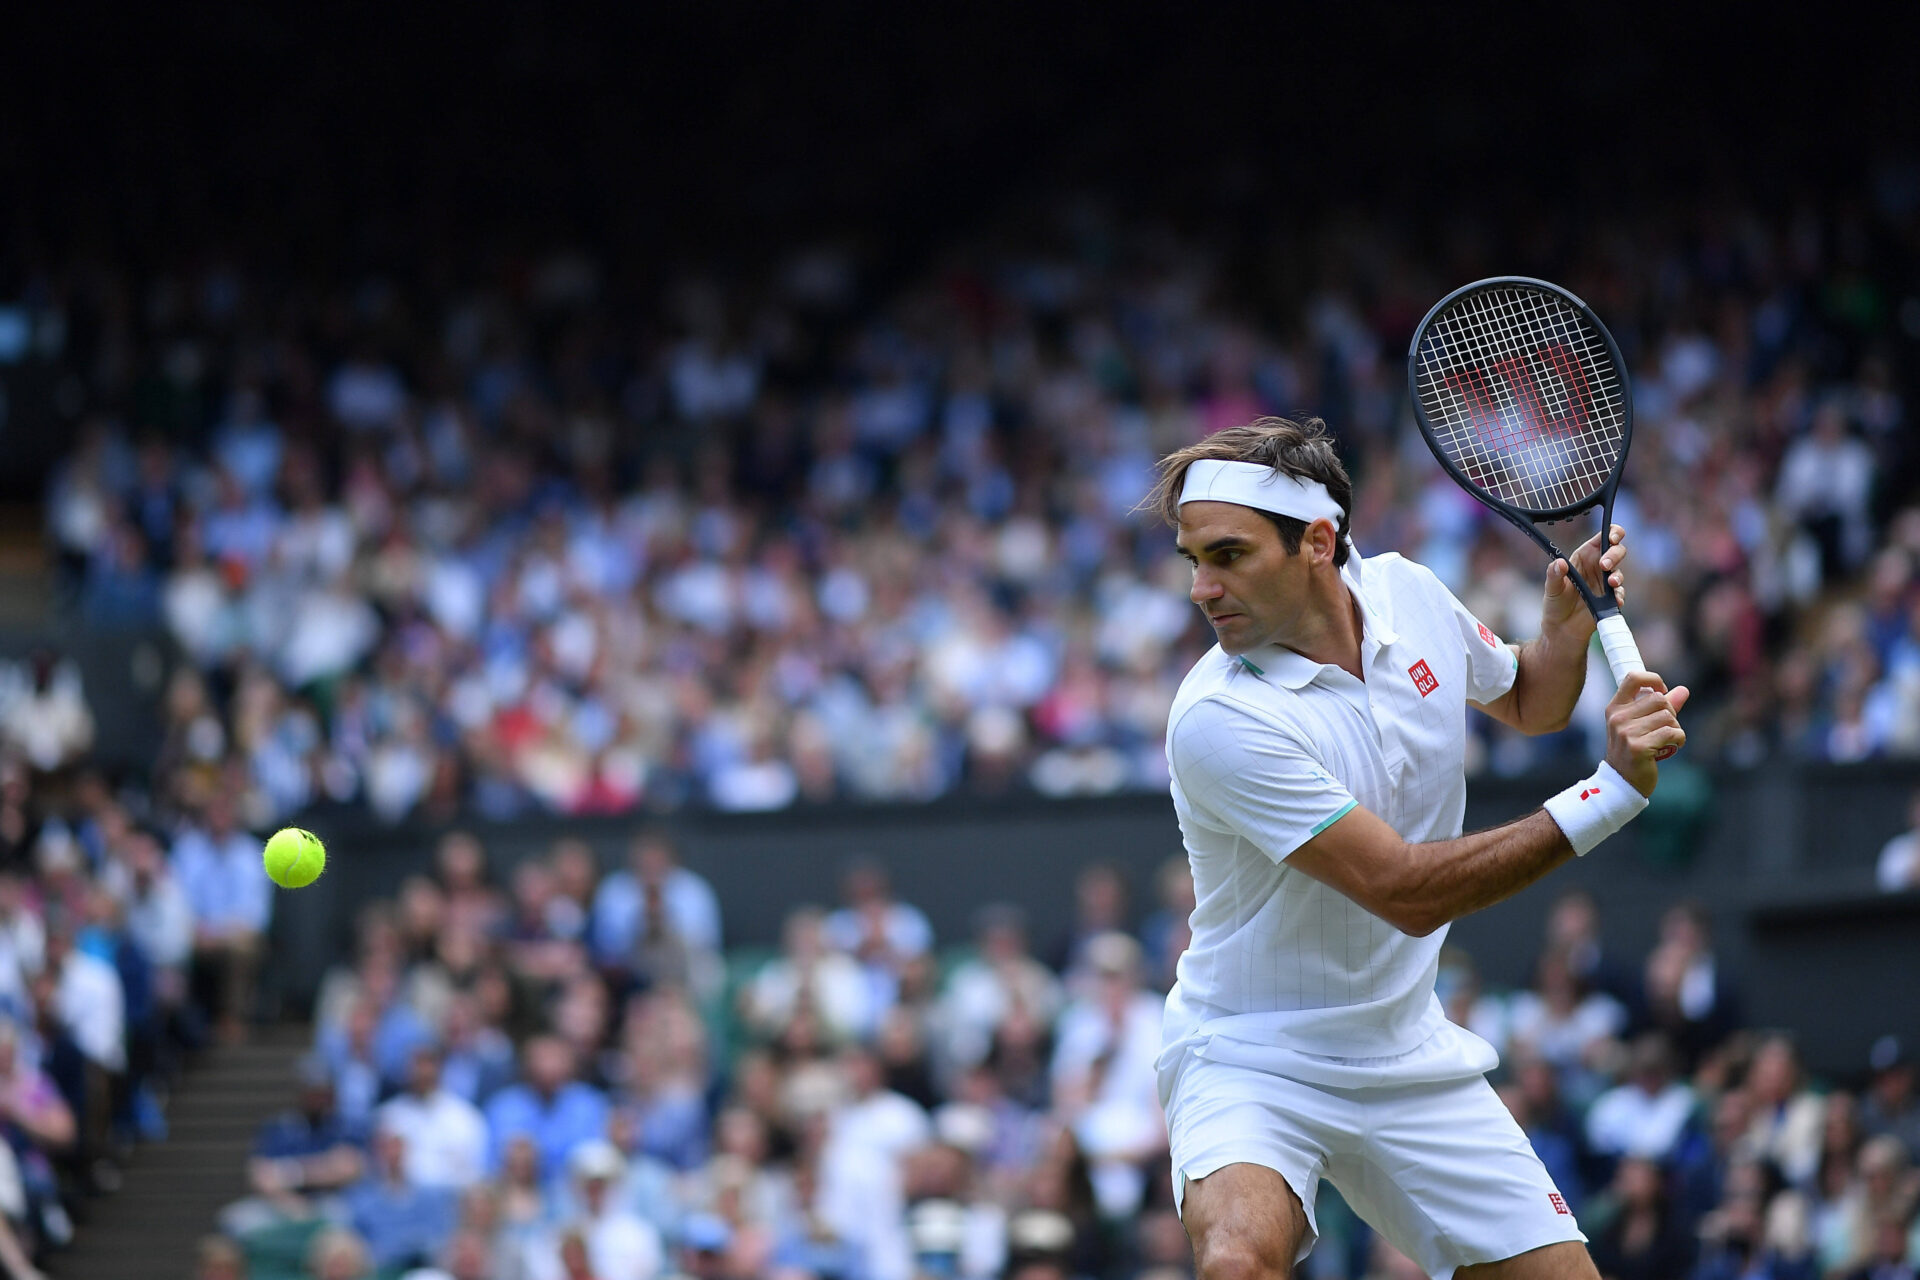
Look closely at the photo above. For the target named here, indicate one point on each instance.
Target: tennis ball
(295, 858)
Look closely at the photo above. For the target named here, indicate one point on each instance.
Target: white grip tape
(1623, 655)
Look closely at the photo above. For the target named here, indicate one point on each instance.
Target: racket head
(1522, 395)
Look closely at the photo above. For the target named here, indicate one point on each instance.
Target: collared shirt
(1267, 751)
(620, 918)
(576, 1114)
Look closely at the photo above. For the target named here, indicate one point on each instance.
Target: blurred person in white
(1104, 1083)
(1891, 1105)
(1645, 1115)
(81, 993)
(45, 717)
(1826, 483)
(446, 1135)
(810, 974)
(1789, 1119)
(656, 911)
(983, 988)
(159, 916)
(662, 1075)
(1898, 867)
(218, 866)
(649, 1186)
(620, 1245)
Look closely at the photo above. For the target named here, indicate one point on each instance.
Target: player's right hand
(1643, 721)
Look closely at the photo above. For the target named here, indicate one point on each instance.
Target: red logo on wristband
(1423, 677)
(1593, 790)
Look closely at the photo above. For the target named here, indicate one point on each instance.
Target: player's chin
(1230, 631)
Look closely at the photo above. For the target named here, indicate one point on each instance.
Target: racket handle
(1623, 655)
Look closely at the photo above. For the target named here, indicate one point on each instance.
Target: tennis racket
(1521, 394)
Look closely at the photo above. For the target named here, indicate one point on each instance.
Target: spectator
(1891, 1106)
(1644, 1116)
(1641, 1241)
(479, 1056)
(401, 1223)
(1104, 1081)
(336, 1253)
(1099, 907)
(82, 1005)
(299, 1157)
(1561, 1021)
(809, 977)
(657, 919)
(1898, 867)
(1001, 975)
(47, 722)
(1686, 994)
(219, 868)
(445, 1135)
(548, 1105)
(875, 928)
(218, 1258)
(619, 1244)
(1166, 933)
(1884, 1191)
(1788, 1118)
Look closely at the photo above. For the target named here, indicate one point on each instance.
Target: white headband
(1250, 484)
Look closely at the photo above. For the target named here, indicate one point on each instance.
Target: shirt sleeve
(1491, 665)
(1253, 778)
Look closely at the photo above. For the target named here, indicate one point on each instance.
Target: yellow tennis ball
(295, 858)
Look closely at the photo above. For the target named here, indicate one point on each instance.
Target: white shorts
(1440, 1169)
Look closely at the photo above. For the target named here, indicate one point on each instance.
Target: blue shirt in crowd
(577, 1114)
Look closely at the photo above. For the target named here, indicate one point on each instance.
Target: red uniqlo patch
(1559, 1205)
(1593, 790)
(1423, 677)
(1487, 635)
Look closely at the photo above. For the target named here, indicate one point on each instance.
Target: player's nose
(1205, 587)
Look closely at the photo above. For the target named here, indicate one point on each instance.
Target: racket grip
(1623, 655)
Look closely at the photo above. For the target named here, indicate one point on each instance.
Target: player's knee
(1238, 1258)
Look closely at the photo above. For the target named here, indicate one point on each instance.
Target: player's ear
(1321, 540)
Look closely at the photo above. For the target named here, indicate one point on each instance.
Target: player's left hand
(1563, 610)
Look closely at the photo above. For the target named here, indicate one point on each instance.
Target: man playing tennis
(1317, 774)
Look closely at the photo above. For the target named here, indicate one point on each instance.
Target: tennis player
(1317, 773)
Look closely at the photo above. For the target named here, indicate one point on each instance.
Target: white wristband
(1591, 810)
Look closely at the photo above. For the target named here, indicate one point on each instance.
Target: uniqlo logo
(1559, 1205)
(1423, 677)
(1487, 635)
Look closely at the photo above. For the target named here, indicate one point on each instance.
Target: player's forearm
(1553, 671)
(1443, 880)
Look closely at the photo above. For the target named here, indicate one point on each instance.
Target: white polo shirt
(1285, 973)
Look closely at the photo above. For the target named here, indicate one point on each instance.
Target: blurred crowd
(568, 1077)
(533, 536)
(130, 938)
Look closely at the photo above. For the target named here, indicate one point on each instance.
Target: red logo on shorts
(1423, 677)
(1559, 1205)
(1487, 635)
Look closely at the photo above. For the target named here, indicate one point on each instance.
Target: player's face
(1244, 580)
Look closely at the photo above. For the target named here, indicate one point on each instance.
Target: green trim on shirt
(1249, 666)
(1333, 817)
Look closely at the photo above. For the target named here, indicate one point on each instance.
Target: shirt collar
(1292, 670)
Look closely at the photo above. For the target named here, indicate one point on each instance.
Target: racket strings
(1522, 395)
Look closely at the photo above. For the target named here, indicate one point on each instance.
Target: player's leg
(1245, 1222)
(1449, 1179)
(1246, 1146)
(1568, 1260)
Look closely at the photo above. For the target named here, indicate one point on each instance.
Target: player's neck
(1327, 630)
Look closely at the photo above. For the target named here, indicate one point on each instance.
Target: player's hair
(1301, 449)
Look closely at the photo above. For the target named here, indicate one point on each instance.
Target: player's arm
(1553, 665)
(1419, 887)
